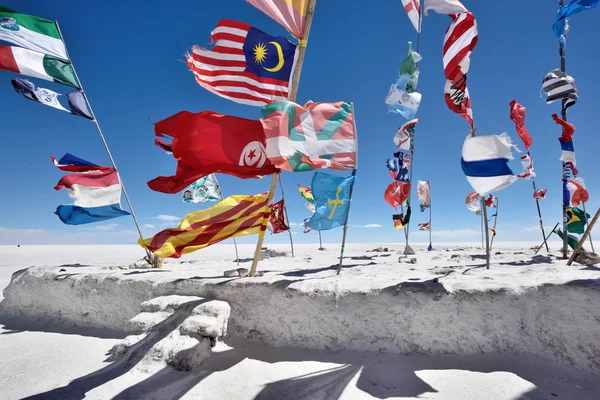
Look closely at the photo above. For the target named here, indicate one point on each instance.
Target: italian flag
(31, 32)
(37, 65)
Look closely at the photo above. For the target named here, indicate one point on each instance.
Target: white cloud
(107, 227)
(3, 229)
(293, 224)
(536, 228)
(451, 233)
(163, 217)
(148, 226)
(367, 226)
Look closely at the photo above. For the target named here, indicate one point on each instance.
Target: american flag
(245, 65)
(425, 226)
(460, 40)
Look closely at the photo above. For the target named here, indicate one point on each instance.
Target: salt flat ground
(56, 362)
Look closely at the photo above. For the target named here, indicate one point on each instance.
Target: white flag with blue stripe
(485, 162)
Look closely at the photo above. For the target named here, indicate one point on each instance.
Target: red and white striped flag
(245, 65)
(425, 226)
(460, 40)
(413, 10)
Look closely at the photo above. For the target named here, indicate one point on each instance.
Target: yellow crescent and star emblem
(260, 55)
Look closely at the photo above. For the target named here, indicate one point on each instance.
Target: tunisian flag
(208, 142)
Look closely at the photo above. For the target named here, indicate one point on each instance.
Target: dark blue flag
(268, 56)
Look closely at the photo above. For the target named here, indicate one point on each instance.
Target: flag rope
(152, 259)
(292, 97)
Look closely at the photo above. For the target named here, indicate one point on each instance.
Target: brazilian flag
(576, 220)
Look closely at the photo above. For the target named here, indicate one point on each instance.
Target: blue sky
(130, 60)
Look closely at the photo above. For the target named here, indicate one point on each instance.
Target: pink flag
(517, 114)
(423, 192)
(290, 14)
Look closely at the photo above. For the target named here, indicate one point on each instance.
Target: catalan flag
(234, 216)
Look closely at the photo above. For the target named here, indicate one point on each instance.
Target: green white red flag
(37, 65)
(316, 135)
(33, 33)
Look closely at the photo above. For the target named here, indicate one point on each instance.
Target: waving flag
(540, 194)
(559, 86)
(33, 33)
(444, 7)
(413, 10)
(460, 40)
(402, 102)
(566, 142)
(277, 221)
(306, 193)
(571, 239)
(491, 201)
(398, 167)
(426, 226)
(472, 202)
(400, 220)
(234, 216)
(403, 137)
(71, 163)
(37, 65)
(306, 227)
(47, 97)
(409, 71)
(290, 14)
(485, 163)
(96, 192)
(576, 192)
(203, 190)
(396, 194)
(576, 220)
(332, 196)
(316, 135)
(574, 7)
(424, 206)
(209, 142)
(527, 164)
(517, 114)
(245, 65)
(311, 207)
(423, 191)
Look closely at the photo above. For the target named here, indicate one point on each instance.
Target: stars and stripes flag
(413, 10)
(460, 40)
(234, 216)
(245, 65)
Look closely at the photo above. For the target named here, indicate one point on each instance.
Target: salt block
(200, 326)
(121, 348)
(181, 352)
(587, 258)
(145, 322)
(167, 303)
(215, 308)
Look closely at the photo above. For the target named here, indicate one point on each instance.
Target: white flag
(203, 190)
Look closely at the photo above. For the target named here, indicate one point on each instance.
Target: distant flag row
(95, 190)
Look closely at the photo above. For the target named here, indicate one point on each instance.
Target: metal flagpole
(485, 219)
(495, 221)
(293, 92)
(151, 258)
(429, 186)
(349, 196)
(481, 220)
(286, 215)
(537, 202)
(546, 239)
(237, 256)
(565, 249)
(320, 242)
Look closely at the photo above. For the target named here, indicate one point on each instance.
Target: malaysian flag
(425, 226)
(460, 40)
(245, 65)
(559, 86)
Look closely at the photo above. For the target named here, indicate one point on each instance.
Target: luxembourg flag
(485, 162)
(96, 192)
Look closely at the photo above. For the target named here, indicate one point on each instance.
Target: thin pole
(286, 215)
(546, 239)
(237, 256)
(587, 223)
(293, 92)
(585, 235)
(349, 198)
(537, 202)
(563, 68)
(495, 221)
(429, 185)
(481, 220)
(487, 234)
(102, 138)
(320, 243)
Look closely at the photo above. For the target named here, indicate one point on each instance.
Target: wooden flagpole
(286, 215)
(537, 202)
(546, 239)
(237, 255)
(495, 221)
(349, 197)
(565, 249)
(293, 92)
(585, 235)
(152, 259)
(587, 222)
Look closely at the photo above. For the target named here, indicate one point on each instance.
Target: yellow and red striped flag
(234, 216)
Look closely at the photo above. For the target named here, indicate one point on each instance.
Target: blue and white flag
(574, 7)
(398, 167)
(485, 162)
(332, 199)
(403, 103)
